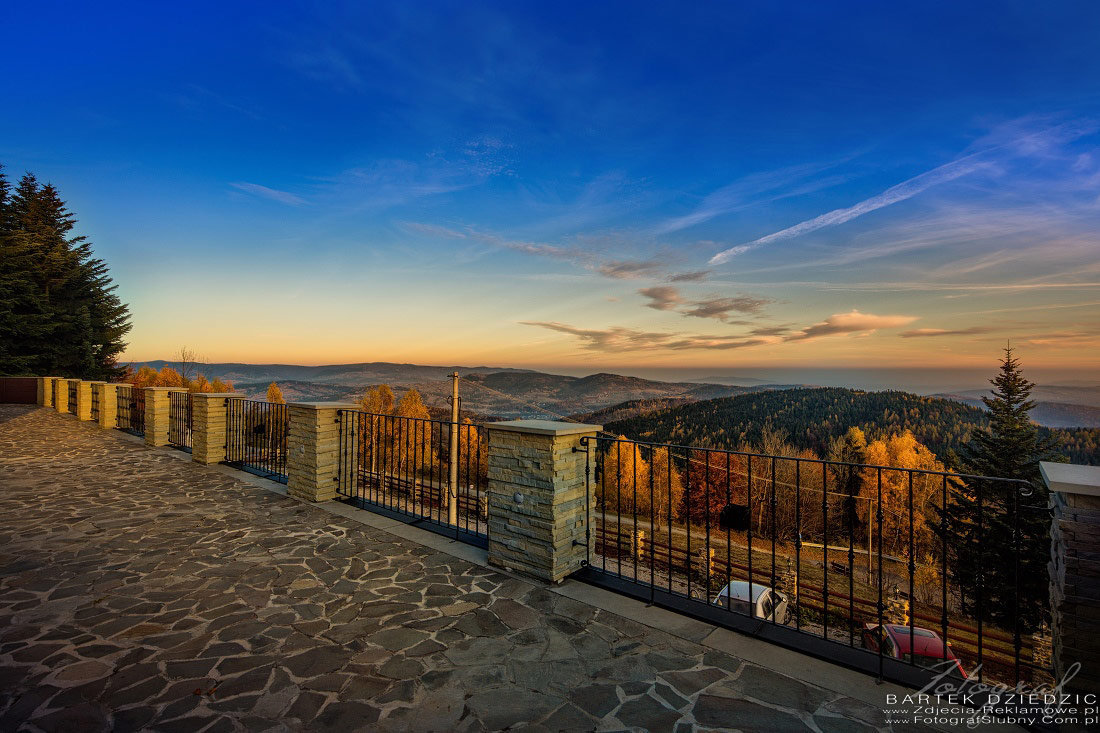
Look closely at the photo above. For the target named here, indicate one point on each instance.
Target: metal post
(452, 499)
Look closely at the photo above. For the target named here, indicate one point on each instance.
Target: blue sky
(719, 186)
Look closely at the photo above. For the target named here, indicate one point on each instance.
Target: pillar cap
(168, 388)
(544, 427)
(1071, 478)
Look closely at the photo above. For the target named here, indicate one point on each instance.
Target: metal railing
(95, 404)
(402, 467)
(73, 390)
(54, 389)
(881, 568)
(256, 435)
(180, 420)
(130, 416)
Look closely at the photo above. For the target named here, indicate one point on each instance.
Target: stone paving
(141, 592)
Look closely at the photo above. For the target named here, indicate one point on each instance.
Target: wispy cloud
(432, 230)
(662, 298)
(840, 324)
(689, 277)
(1012, 140)
(929, 332)
(751, 189)
(256, 189)
(721, 308)
(668, 298)
(620, 338)
(900, 192)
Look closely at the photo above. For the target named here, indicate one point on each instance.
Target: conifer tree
(58, 310)
(990, 521)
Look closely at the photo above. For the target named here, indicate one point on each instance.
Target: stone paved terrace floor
(140, 591)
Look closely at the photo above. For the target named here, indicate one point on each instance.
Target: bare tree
(188, 359)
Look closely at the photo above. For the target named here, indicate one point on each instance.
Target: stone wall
(208, 436)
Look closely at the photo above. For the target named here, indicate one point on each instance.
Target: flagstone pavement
(142, 592)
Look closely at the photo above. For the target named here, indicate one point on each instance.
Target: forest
(811, 419)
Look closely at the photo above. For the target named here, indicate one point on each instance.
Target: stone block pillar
(45, 391)
(208, 438)
(158, 412)
(108, 404)
(313, 449)
(537, 502)
(1075, 572)
(61, 395)
(83, 409)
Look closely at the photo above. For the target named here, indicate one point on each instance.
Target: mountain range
(508, 393)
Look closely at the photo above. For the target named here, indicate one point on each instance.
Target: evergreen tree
(989, 522)
(58, 310)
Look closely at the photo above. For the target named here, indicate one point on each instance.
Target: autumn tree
(218, 386)
(907, 496)
(274, 394)
(623, 485)
(411, 440)
(473, 454)
(378, 400)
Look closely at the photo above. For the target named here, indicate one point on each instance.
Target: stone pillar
(45, 391)
(313, 449)
(83, 409)
(61, 395)
(1075, 572)
(108, 404)
(158, 413)
(537, 502)
(208, 425)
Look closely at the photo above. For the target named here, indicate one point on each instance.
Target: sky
(578, 187)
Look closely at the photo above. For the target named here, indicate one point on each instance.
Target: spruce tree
(59, 313)
(992, 523)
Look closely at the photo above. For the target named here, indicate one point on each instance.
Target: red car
(924, 648)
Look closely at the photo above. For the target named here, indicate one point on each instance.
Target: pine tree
(989, 522)
(59, 313)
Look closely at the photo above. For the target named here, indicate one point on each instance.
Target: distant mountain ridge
(810, 418)
(1048, 414)
(492, 391)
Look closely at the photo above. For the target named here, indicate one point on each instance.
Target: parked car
(767, 603)
(923, 647)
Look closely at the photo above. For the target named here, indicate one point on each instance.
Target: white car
(767, 603)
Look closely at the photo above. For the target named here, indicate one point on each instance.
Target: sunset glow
(582, 189)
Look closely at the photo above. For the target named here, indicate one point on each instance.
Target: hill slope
(1050, 414)
(812, 417)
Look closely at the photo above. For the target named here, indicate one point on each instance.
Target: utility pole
(452, 499)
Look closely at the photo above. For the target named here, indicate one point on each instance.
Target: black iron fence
(180, 420)
(130, 416)
(95, 403)
(256, 435)
(73, 389)
(903, 572)
(431, 472)
(54, 387)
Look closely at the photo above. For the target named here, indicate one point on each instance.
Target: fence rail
(850, 551)
(256, 435)
(95, 403)
(130, 415)
(73, 391)
(402, 466)
(180, 420)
